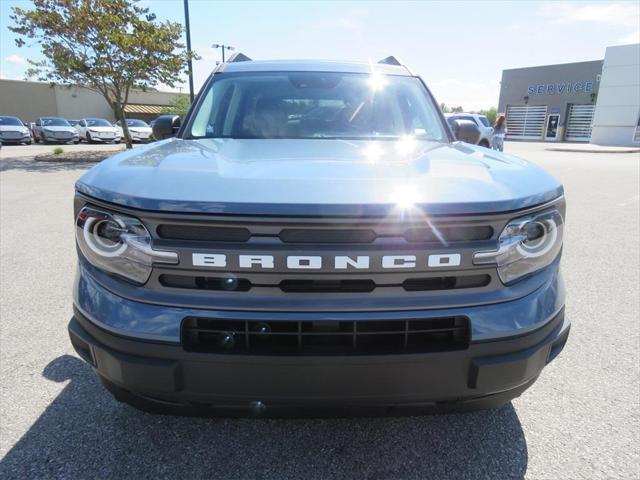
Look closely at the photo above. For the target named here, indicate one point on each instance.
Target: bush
(58, 150)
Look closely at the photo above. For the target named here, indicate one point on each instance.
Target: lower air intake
(325, 337)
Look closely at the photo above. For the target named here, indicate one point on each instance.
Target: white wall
(618, 105)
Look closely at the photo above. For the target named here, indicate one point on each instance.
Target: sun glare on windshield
(377, 82)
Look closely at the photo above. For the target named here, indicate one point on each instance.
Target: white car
(12, 130)
(140, 131)
(486, 130)
(98, 130)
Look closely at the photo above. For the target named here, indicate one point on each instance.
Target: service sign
(560, 88)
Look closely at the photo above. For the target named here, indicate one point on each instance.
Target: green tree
(110, 46)
(491, 114)
(179, 106)
(457, 110)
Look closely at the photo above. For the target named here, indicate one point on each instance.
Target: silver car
(54, 130)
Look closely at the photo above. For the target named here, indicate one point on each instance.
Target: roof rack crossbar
(238, 57)
(391, 60)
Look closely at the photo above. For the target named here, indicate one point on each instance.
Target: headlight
(118, 244)
(93, 131)
(526, 245)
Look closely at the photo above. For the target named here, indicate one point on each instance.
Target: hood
(317, 177)
(60, 129)
(140, 129)
(13, 128)
(102, 129)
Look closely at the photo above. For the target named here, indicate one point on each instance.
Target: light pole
(188, 34)
(223, 47)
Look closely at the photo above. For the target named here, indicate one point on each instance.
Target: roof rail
(391, 60)
(238, 57)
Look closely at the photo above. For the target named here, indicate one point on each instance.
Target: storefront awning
(144, 109)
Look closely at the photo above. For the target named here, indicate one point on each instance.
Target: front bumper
(166, 378)
(55, 139)
(135, 347)
(15, 141)
(96, 138)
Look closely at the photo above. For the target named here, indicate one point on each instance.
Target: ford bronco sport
(312, 235)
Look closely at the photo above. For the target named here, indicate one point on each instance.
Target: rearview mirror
(166, 126)
(466, 131)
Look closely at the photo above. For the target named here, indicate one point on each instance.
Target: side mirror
(166, 126)
(466, 131)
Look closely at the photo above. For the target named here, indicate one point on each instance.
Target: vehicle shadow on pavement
(84, 433)
(30, 165)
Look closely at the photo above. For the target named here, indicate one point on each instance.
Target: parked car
(12, 130)
(97, 130)
(54, 130)
(482, 122)
(139, 130)
(313, 235)
(73, 123)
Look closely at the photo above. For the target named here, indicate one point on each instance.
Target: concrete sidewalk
(590, 148)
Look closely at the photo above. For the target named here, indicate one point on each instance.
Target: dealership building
(30, 100)
(596, 101)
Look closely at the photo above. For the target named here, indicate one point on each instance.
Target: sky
(460, 47)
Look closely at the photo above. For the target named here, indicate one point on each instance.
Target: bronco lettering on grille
(338, 262)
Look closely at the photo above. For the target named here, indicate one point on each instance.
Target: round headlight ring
(96, 243)
(542, 245)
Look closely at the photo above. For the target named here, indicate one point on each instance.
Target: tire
(89, 138)
(485, 144)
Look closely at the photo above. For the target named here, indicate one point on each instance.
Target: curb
(593, 150)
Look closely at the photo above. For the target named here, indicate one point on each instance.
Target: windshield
(10, 121)
(97, 122)
(55, 122)
(136, 123)
(73, 123)
(316, 105)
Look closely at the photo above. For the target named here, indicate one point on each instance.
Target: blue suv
(313, 235)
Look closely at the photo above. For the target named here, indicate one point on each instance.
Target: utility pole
(189, 62)
(223, 47)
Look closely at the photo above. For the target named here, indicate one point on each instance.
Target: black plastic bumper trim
(170, 375)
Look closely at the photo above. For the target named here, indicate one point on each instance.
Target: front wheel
(89, 138)
(485, 144)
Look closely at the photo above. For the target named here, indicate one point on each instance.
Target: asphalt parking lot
(27, 151)
(581, 420)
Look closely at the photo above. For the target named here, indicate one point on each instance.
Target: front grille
(234, 284)
(309, 235)
(203, 233)
(10, 134)
(325, 337)
(351, 256)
